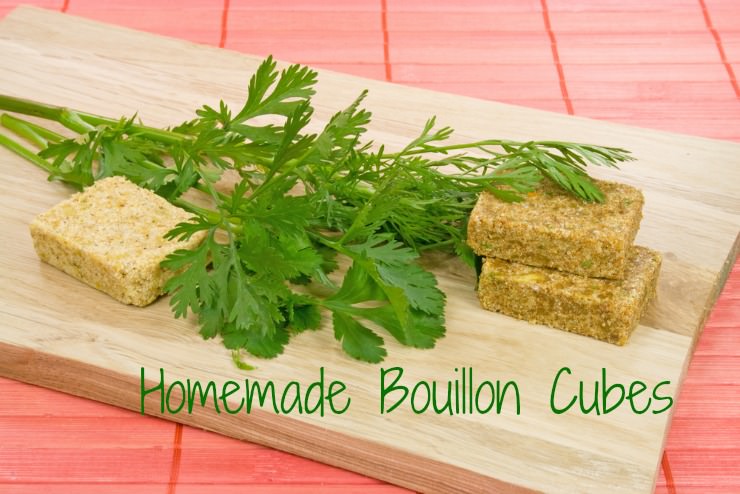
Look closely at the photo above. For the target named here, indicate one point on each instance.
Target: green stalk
(337, 246)
(212, 216)
(25, 153)
(36, 134)
(469, 145)
(74, 122)
(21, 130)
(27, 107)
(288, 167)
(78, 121)
(41, 136)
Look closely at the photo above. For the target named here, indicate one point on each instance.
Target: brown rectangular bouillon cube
(608, 310)
(111, 236)
(554, 229)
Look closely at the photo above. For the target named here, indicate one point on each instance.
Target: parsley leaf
(357, 340)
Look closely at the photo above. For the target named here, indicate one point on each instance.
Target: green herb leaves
(404, 299)
(281, 209)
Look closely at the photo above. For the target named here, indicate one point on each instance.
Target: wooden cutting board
(61, 334)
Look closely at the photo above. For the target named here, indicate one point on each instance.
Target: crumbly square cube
(111, 236)
(553, 229)
(608, 310)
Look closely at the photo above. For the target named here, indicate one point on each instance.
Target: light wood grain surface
(67, 336)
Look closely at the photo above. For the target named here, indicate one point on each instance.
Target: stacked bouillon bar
(554, 259)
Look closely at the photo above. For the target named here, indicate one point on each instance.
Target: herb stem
(26, 153)
(81, 122)
(153, 133)
(331, 244)
(28, 107)
(36, 134)
(452, 147)
(289, 166)
(212, 216)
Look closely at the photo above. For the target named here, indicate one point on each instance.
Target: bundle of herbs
(301, 200)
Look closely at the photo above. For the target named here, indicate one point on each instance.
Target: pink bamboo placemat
(668, 65)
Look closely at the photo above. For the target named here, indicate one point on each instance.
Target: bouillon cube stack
(554, 259)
